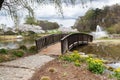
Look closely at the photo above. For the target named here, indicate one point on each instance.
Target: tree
(13, 6)
(1, 2)
(114, 29)
(31, 21)
(105, 17)
(29, 4)
(48, 25)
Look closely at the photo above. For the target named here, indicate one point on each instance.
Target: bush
(71, 57)
(52, 70)
(77, 63)
(3, 51)
(9, 33)
(18, 53)
(45, 78)
(74, 57)
(115, 29)
(117, 73)
(95, 65)
(4, 58)
(23, 47)
(33, 49)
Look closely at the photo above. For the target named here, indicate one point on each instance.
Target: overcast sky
(71, 13)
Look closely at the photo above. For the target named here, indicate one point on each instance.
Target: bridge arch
(68, 41)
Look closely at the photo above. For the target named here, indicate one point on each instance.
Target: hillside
(108, 17)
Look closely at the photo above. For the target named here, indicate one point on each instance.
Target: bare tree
(13, 6)
(1, 2)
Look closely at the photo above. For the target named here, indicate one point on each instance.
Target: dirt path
(23, 68)
(54, 49)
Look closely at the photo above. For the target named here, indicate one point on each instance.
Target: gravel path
(22, 69)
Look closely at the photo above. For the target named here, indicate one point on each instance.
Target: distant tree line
(106, 17)
(46, 25)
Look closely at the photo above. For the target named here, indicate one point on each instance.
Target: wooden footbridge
(67, 41)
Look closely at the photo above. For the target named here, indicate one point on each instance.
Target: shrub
(71, 57)
(18, 53)
(45, 78)
(9, 33)
(114, 29)
(95, 65)
(4, 58)
(77, 63)
(23, 47)
(65, 74)
(33, 49)
(52, 70)
(117, 73)
(3, 51)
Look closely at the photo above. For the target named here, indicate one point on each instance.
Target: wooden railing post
(67, 41)
(72, 40)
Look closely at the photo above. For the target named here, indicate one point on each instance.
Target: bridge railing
(48, 40)
(72, 40)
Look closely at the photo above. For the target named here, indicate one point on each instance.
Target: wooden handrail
(48, 40)
(68, 41)
(72, 40)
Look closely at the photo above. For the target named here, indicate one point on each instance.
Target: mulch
(67, 71)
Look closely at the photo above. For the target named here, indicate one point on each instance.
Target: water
(14, 44)
(99, 33)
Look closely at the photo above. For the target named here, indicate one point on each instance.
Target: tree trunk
(1, 2)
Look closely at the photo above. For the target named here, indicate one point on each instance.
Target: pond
(14, 44)
(108, 50)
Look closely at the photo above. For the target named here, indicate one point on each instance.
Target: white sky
(71, 13)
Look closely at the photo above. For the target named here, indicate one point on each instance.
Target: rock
(92, 55)
(84, 56)
(81, 53)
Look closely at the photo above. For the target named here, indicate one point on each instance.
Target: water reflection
(14, 44)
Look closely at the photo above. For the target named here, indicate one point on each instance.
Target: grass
(107, 41)
(7, 55)
(12, 37)
(7, 37)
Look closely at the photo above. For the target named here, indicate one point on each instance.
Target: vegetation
(107, 17)
(23, 47)
(117, 73)
(13, 7)
(46, 25)
(3, 51)
(52, 70)
(18, 53)
(45, 78)
(71, 66)
(33, 49)
(114, 29)
(31, 20)
(55, 31)
(95, 65)
(7, 55)
(9, 33)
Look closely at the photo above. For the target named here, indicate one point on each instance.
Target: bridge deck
(54, 49)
